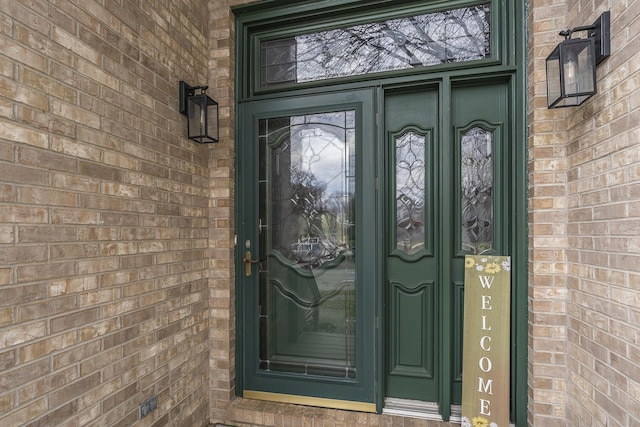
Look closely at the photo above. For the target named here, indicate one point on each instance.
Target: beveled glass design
(308, 271)
(410, 192)
(456, 35)
(476, 172)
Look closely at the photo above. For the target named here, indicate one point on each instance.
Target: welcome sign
(485, 365)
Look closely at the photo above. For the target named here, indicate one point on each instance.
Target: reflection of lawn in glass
(334, 311)
(330, 342)
(320, 348)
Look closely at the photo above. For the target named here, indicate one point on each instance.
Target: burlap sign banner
(485, 364)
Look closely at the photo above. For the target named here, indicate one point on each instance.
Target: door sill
(419, 409)
(310, 401)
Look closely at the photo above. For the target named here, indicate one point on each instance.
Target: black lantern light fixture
(202, 113)
(571, 67)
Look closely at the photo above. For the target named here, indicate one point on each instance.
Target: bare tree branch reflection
(455, 35)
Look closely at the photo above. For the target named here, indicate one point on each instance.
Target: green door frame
(257, 19)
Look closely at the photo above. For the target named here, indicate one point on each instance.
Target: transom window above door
(449, 36)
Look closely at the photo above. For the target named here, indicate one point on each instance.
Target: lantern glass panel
(196, 117)
(579, 67)
(212, 119)
(553, 77)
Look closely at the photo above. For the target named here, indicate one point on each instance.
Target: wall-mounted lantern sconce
(202, 113)
(571, 67)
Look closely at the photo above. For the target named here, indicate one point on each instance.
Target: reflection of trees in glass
(477, 190)
(312, 208)
(410, 192)
(455, 35)
(308, 198)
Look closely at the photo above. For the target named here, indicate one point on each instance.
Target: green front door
(306, 280)
(446, 181)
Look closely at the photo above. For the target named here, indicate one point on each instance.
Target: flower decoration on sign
(479, 422)
(492, 268)
(488, 265)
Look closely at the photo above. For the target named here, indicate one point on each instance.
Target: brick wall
(603, 146)
(584, 225)
(547, 225)
(222, 297)
(103, 214)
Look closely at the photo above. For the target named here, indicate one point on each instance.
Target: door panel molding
(407, 358)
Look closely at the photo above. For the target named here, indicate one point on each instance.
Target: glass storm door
(445, 191)
(306, 241)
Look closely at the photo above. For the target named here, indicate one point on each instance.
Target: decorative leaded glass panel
(455, 35)
(277, 61)
(410, 192)
(476, 171)
(307, 281)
